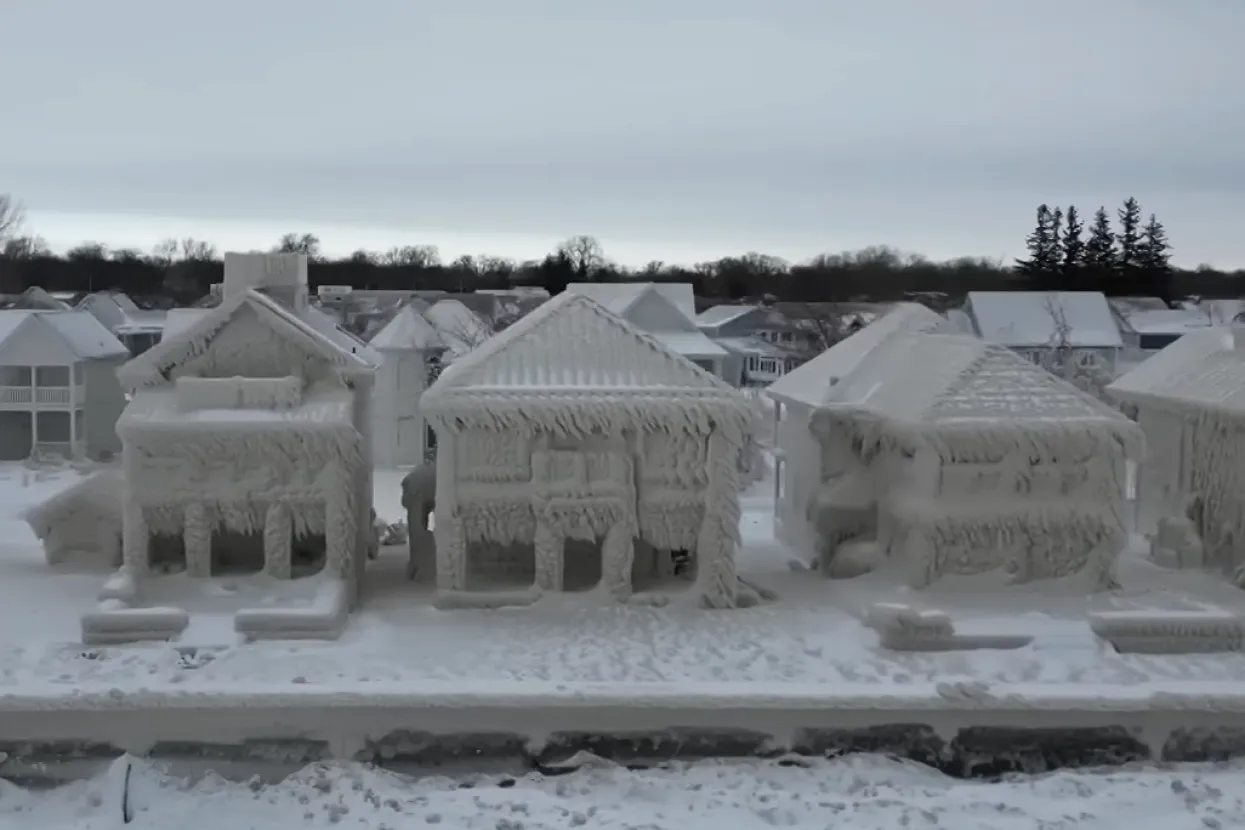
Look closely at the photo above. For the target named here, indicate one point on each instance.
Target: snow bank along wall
(964, 731)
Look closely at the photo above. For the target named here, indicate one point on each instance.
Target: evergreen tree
(1129, 235)
(1154, 259)
(1099, 250)
(1043, 246)
(1073, 243)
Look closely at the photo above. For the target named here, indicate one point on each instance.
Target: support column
(197, 540)
(617, 559)
(34, 425)
(450, 537)
(134, 539)
(340, 531)
(550, 550)
(278, 541)
(719, 532)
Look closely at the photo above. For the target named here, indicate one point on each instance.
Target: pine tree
(1154, 259)
(1073, 243)
(1129, 236)
(1099, 256)
(1043, 246)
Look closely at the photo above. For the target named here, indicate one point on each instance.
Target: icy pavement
(862, 792)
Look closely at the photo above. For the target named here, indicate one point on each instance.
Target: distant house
(138, 328)
(1038, 324)
(35, 298)
(59, 393)
(411, 349)
(667, 311)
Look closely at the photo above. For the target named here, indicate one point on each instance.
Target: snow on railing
(238, 393)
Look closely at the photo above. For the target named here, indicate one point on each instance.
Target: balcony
(41, 397)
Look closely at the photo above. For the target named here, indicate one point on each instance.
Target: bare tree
(87, 251)
(24, 247)
(296, 243)
(420, 256)
(584, 254)
(1063, 359)
(12, 216)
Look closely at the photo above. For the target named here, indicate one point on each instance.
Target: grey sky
(697, 126)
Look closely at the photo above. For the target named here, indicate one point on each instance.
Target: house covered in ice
(576, 450)
(1190, 402)
(246, 442)
(797, 456)
(411, 349)
(950, 455)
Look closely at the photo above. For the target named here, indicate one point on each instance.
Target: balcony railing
(58, 449)
(41, 395)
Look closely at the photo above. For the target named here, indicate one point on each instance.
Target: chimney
(283, 277)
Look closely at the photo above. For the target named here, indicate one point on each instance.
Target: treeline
(1062, 255)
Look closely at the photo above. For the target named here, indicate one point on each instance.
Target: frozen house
(950, 455)
(247, 440)
(1190, 402)
(1038, 323)
(576, 450)
(59, 394)
(410, 349)
(797, 469)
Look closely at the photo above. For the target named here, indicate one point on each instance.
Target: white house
(797, 472)
(1190, 402)
(247, 440)
(1037, 324)
(410, 348)
(59, 393)
(665, 310)
(575, 449)
(950, 455)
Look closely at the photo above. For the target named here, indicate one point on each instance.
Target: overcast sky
(673, 129)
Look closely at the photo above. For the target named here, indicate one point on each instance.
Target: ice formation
(247, 430)
(959, 456)
(575, 449)
(83, 521)
(1190, 402)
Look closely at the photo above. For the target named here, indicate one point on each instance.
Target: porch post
(278, 536)
(451, 540)
(550, 556)
(197, 540)
(34, 425)
(719, 532)
(73, 411)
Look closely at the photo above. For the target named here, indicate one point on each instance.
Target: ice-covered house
(138, 328)
(665, 310)
(1190, 402)
(410, 349)
(797, 468)
(247, 440)
(945, 454)
(59, 393)
(576, 450)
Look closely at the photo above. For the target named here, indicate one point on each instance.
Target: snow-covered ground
(812, 636)
(861, 793)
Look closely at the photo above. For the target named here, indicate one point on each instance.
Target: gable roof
(409, 330)
(577, 366)
(720, 315)
(84, 335)
(460, 327)
(1029, 318)
(960, 391)
(811, 383)
(1203, 370)
(617, 297)
(151, 367)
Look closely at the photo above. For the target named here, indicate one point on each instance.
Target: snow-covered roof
(720, 315)
(95, 496)
(571, 365)
(151, 367)
(84, 335)
(331, 330)
(460, 328)
(1168, 321)
(973, 400)
(617, 297)
(178, 320)
(689, 343)
(811, 384)
(1031, 318)
(409, 330)
(1203, 370)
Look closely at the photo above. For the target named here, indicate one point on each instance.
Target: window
(57, 376)
(707, 365)
(430, 437)
(753, 363)
(1086, 359)
(1154, 342)
(14, 376)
